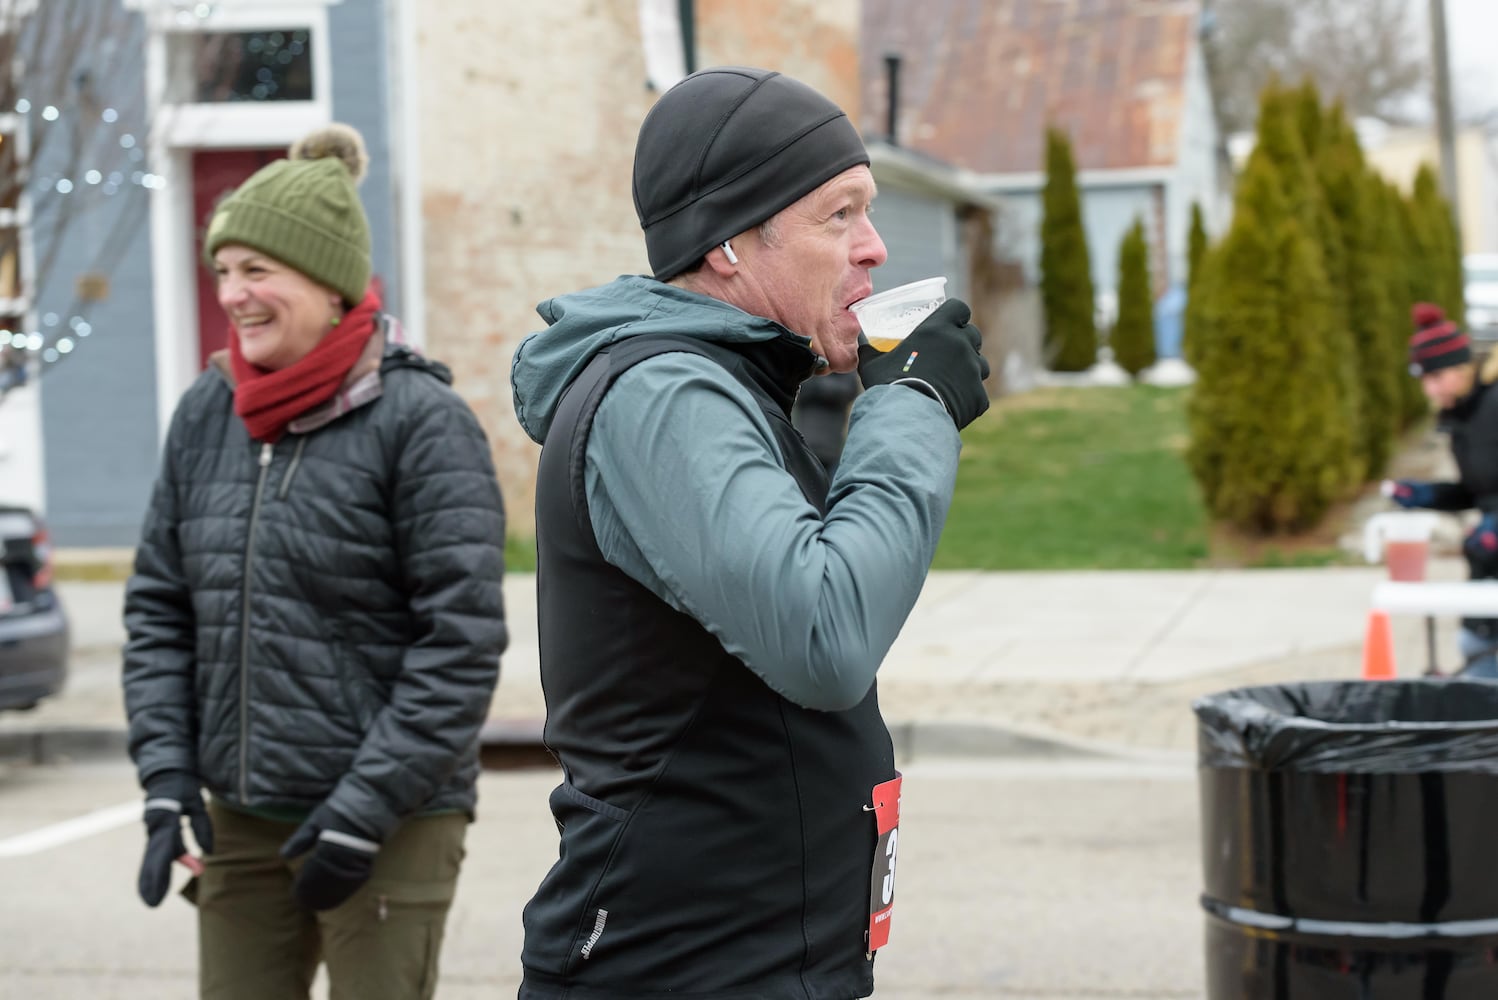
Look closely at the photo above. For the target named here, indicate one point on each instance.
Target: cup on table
(890, 316)
(1402, 538)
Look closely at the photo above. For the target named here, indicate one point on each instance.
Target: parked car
(33, 627)
(1480, 286)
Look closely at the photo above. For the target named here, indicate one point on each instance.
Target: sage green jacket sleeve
(688, 496)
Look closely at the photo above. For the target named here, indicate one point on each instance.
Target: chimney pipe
(892, 108)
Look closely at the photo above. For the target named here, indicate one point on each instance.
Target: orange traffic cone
(1378, 648)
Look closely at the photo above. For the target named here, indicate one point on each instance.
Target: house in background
(190, 99)
(1398, 153)
(935, 219)
(979, 81)
(501, 141)
(526, 165)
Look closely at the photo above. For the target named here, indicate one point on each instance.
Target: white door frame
(180, 129)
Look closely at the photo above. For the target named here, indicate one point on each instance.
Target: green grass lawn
(1090, 478)
(1078, 478)
(520, 553)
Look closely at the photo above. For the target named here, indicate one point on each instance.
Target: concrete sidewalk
(988, 663)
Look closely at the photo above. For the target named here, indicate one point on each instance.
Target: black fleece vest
(714, 836)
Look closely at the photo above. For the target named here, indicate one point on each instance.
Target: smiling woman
(321, 556)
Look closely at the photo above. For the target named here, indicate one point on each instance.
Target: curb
(60, 744)
(510, 744)
(979, 740)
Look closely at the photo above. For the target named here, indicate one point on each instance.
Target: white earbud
(728, 252)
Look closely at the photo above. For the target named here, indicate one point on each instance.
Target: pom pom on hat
(335, 141)
(1427, 314)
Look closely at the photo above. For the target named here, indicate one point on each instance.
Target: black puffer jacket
(322, 619)
(1473, 426)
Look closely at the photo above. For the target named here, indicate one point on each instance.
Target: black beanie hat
(725, 149)
(1438, 343)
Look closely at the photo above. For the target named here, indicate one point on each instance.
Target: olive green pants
(256, 943)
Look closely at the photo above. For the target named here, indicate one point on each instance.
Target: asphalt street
(1044, 880)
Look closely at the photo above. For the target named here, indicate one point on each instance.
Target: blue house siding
(98, 403)
(1107, 214)
(921, 233)
(361, 98)
(99, 407)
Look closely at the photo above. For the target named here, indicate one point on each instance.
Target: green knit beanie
(305, 212)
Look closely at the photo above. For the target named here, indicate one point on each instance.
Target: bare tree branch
(1360, 51)
(72, 148)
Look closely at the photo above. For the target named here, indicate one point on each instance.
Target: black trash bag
(1347, 833)
(1352, 726)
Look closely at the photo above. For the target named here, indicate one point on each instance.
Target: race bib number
(882, 878)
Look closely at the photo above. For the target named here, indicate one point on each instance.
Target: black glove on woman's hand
(342, 860)
(941, 358)
(171, 796)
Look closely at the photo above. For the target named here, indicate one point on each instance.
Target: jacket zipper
(296, 459)
(266, 450)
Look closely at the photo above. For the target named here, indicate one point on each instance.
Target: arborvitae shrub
(1270, 444)
(1065, 269)
(1370, 275)
(1196, 243)
(1412, 281)
(1285, 124)
(1196, 248)
(1438, 228)
(1133, 339)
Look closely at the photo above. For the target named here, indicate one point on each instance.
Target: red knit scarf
(269, 400)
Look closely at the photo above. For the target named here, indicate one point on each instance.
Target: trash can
(1350, 840)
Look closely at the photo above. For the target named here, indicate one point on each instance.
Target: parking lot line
(69, 830)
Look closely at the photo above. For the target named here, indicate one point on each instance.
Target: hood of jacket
(583, 323)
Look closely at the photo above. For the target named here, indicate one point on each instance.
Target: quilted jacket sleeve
(160, 655)
(449, 530)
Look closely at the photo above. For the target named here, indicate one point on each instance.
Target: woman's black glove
(342, 859)
(1481, 548)
(171, 796)
(940, 358)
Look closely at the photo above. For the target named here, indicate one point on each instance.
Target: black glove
(1481, 548)
(1409, 493)
(941, 358)
(170, 796)
(342, 859)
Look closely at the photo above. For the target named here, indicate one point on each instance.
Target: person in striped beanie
(1441, 358)
(1439, 345)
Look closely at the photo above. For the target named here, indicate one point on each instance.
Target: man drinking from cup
(712, 611)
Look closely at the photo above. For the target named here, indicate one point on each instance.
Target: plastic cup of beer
(890, 316)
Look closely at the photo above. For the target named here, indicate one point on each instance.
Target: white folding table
(1473, 598)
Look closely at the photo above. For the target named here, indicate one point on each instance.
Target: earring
(334, 321)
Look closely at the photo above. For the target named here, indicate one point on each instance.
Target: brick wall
(528, 117)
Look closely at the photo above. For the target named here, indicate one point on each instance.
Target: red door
(214, 172)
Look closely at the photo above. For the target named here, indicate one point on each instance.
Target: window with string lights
(237, 73)
(74, 176)
(230, 66)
